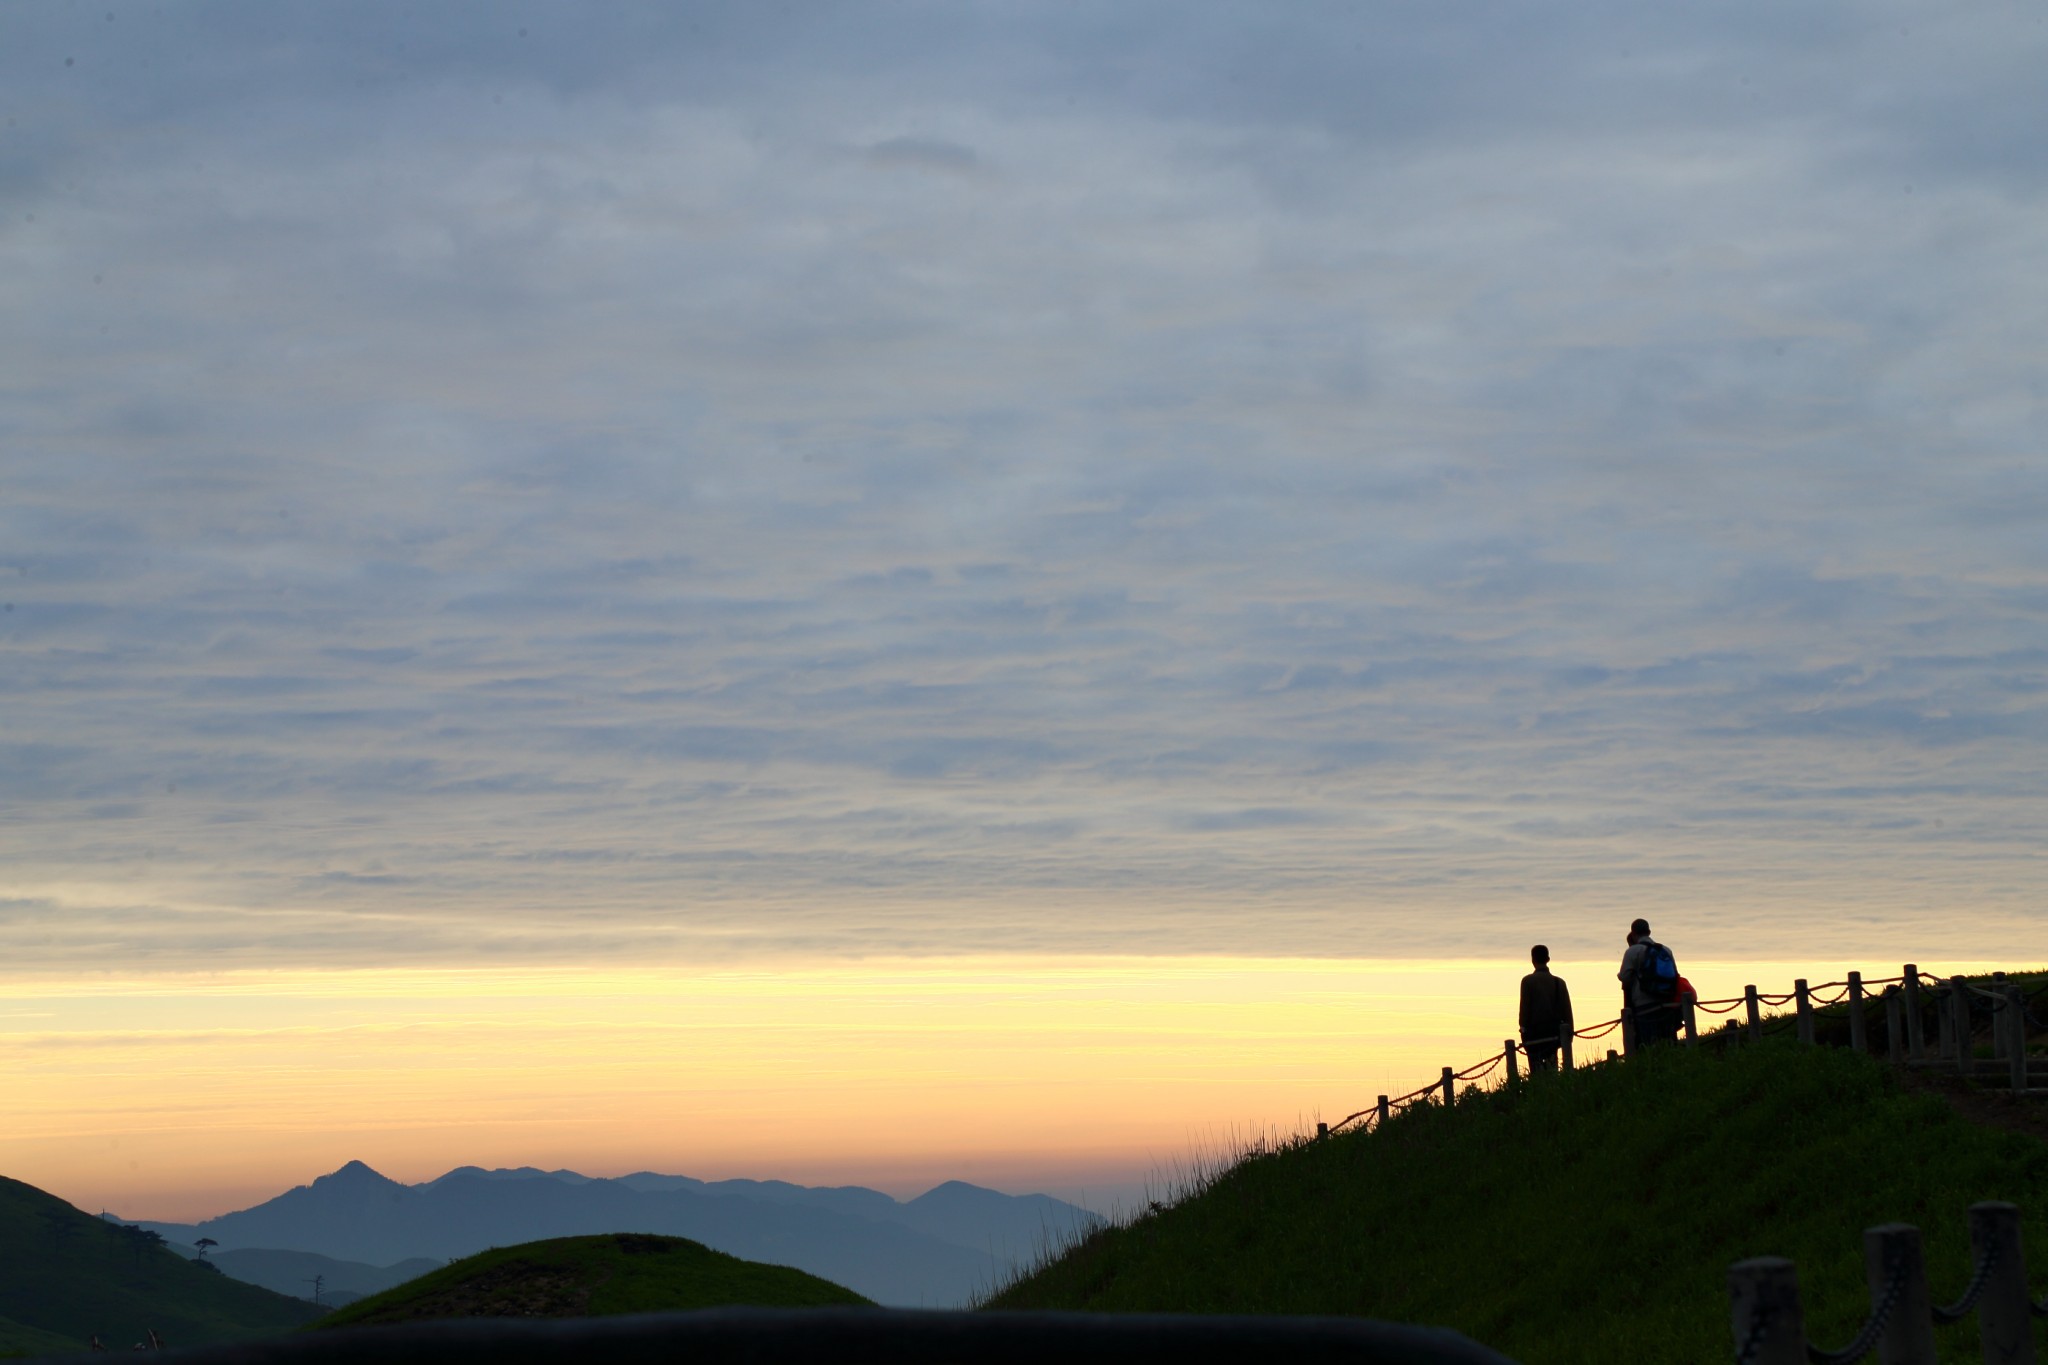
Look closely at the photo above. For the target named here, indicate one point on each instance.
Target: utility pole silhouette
(316, 1282)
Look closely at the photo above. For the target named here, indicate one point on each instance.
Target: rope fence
(1958, 1009)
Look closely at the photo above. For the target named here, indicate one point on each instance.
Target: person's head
(1540, 955)
(1640, 929)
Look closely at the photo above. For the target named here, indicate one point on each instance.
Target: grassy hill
(571, 1277)
(65, 1275)
(1589, 1219)
(17, 1340)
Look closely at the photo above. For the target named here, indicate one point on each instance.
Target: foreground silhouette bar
(763, 1335)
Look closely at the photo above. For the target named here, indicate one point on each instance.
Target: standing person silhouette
(1649, 976)
(1546, 1012)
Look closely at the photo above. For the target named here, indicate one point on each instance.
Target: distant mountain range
(938, 1250)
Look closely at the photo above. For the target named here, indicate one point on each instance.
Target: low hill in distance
(294, 1273)
(939, 1249)
(574, 1277)
(1585, 1218)
(66, 1275)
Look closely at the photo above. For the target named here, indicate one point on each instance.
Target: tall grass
(1584, 1218)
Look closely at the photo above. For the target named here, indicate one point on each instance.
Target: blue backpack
(1658, 974)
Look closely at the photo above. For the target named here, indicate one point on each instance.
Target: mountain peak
(958, 1189)
(563, 1176)
(355, 1173)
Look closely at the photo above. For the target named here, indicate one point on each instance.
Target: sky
(817, 503)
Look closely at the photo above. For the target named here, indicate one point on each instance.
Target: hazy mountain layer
(939, 1249)
(293, 1272)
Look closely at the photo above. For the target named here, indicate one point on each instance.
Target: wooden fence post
(2005, 1320)
(1804, 1004)
(1507, 1047)
(1999, 1033)
(1564, 1047)
(1894, 1028)
(1763, 1304)
(1892, 1249)
(1859, 1030)
(1944, 1019)
(1916, 1046)
(1611, 1055)
(1959, 1011)
(1756, 1023)
(1322, 1131)
(1688, 1018)
(1450, 1084)
(2016, 1036)
(1385, 1113)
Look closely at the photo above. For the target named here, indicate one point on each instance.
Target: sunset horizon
(880, 593)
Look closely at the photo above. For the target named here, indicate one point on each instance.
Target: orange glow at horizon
(181, 1097)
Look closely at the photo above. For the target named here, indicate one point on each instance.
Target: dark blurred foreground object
(761, 1336)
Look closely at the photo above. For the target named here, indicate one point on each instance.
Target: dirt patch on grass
(517, 1289)
(1991, 1108)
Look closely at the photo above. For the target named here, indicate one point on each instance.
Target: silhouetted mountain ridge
(937, 1249)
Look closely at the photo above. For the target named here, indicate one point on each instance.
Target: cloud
(924, 154)
(1004, 480)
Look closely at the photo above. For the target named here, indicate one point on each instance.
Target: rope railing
(1904, 999)
(1769, 1324)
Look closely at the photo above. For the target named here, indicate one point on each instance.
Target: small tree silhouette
(205, 1244)
(141, 1240)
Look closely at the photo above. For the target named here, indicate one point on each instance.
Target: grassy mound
(17, 1340)
(67, 1275)
(1589, 1219)
(577, 1277)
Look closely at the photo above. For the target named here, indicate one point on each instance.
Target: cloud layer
(505, 481)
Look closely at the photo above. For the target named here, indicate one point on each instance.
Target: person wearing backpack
(1649, 975)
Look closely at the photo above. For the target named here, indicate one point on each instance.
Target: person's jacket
(1631, 968)
(1546, 1005)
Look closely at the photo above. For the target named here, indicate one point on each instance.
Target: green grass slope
(1588, 1219)
(17, 1340)
(68, 1275)
(574, 1277)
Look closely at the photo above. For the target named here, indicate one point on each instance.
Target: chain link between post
(1895, 1286)
(1758, 1322)
(1960, 1309)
